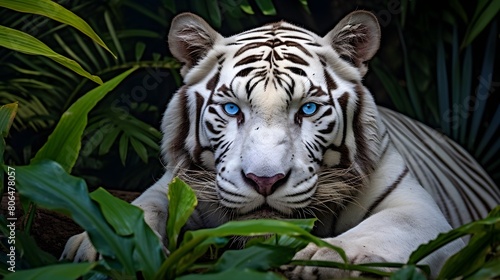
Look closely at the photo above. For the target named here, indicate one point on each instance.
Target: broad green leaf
(56, 12)
(260, 257)
(7, 115)
(491, 270)
(128, 220)
(121, 215)
(182, 202)
(25, 43)
(65, 271)
(48, 185)
(409, 272)
(470, 258)
(266, 7)
(64, 144)
(245, 274)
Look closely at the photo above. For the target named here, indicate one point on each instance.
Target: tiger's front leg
(389, 235)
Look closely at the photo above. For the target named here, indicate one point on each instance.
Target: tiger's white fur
(273, 159)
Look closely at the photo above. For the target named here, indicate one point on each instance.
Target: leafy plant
(440, 86)
(45, 95)
(116, 238)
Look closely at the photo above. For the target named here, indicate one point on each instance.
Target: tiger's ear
(356, 38)
(190, 38)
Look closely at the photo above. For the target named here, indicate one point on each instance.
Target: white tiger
(276, 123)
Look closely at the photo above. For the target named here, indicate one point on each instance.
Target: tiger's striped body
(276, 123)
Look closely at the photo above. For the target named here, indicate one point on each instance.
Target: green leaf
(120, 215)
(266, 7)
(64, 144)
(214, 12)
(128, 220)
(7, 115)
(48, 185)
(138, 249)
(246, 7)
(468, 259)
(69, 271)
(139, 50)
(260, 257)
(56, 12)
(491, 270)
(182, 202)
(484, 14)
(409, 272)
(172, 266)
(108, 141)
(123, 148)
(25, 43)
(139, 149)
(113, 35)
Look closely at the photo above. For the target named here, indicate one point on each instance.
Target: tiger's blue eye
(231, 109)
(309, 108)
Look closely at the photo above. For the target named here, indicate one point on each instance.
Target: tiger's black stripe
(386, 193)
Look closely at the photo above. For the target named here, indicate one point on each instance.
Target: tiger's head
(273, 122)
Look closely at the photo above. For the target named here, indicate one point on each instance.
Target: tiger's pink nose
(264, 185)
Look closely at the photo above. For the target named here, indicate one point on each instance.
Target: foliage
(44, 95)
(116, 238)
(445, 84)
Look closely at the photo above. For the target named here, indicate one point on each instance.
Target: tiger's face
(274, 119)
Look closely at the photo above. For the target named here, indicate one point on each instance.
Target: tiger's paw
(79, 248)
(356, 254)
